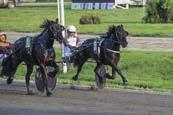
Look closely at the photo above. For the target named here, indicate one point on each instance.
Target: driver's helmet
(71, 28)
(3, 36)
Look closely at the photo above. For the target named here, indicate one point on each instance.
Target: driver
(71, 41)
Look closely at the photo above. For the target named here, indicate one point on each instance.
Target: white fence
(124, 4)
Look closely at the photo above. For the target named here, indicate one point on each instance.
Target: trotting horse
(39, 53)
(105, 51)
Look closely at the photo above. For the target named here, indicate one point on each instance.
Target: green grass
(143, 69)
(28, 19)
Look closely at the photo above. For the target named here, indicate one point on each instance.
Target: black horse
(104, 50)
(40, 52)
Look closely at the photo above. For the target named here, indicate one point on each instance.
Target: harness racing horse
(105, 51)
(39, 53)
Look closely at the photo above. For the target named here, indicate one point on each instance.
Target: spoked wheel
(101, 81)
(38, 80)
(51, 80)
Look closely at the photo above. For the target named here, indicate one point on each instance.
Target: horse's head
(118, 34)
(54, 29)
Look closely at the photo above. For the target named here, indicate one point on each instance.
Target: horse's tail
(7, 66)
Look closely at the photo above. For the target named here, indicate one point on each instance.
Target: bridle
(118, 37)
(56, 33)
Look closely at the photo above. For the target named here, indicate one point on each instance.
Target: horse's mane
(46, 23)
(111, 30)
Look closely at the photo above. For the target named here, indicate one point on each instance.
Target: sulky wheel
(38, 80)
(52, 77)
(51, 80)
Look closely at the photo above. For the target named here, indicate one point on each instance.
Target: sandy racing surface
(65, 101)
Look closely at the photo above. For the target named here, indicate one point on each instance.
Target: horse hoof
(109, 76)
(49, 94)
(74, 78)
(30, 92)
(9, 81)
(101, 85)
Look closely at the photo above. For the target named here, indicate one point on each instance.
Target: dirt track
(135, 43)
(65, 101)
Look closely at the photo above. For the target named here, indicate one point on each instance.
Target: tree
(157, 11)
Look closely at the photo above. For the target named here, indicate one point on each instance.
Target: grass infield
(28, 19)
(143, 69)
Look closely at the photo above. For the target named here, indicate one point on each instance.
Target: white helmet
(71, 28)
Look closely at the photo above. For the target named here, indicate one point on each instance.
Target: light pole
(143, 3)
(60, 9)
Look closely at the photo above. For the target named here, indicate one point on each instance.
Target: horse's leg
(116, 69)
(113, 73)
(116, 58)
(10, 79)
(79, 68)
(111, 76)
(96, 70)
(27, 76)
(53, 73)
(113, 63)
(44, 77)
